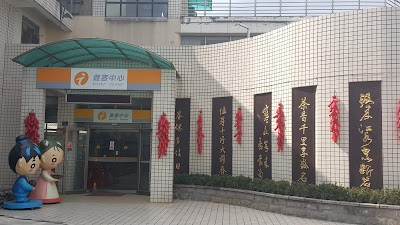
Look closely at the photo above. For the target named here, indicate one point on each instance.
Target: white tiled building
(289, 51)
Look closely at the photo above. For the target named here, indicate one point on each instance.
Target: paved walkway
(135, 209)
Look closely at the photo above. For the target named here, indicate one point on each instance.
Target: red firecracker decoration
(162, 133)
(199, 133)
(32, 127)
(238, 126)
(334, 114)
(280, 126)
(398, 119)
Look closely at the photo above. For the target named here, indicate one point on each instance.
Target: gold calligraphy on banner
(263, 144)
(303, 145)
(222, 112)
(365, 169)
(177, 150)
(266, 114)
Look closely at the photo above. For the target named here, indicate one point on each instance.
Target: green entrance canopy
(69, 52)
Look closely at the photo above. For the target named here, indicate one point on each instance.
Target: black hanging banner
(303, 134)
(365, 129)
(262, 135)
(182, 135)
(222, 136)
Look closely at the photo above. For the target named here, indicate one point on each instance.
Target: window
(137, 8)
(188, 40)
(51, 112)
(78, 7)
(216, 40)
(30, 32)
(208, 40)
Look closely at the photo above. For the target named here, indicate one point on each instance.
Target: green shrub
(391, 197)
(359, 195)
(322, 191)
(239, 182)
(332, 192)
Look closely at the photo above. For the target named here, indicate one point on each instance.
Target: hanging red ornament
(199, 133)
(398, 119)
(238, 126)
(280, 126)
(162, 133)
(32, 127)
(334, 114)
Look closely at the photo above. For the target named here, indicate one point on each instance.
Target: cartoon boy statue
(24, 160)
(46, 189)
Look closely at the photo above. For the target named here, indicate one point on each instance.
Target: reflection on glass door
(113, 158)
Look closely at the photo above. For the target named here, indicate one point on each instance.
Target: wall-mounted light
(248, 29)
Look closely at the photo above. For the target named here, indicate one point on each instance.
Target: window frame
(152, 3)
(210, 36)
(78, 7)
(30, 24)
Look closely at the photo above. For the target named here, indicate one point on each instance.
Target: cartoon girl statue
(46, 189)
(24, 160)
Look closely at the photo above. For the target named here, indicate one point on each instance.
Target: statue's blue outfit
(21, 189)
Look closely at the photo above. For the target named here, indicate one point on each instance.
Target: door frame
(139, 191)
(69, 137)
(85, 172)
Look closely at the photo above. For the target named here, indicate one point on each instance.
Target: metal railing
(273, 8)
(78, 7)
(59, 14)
(392, 3)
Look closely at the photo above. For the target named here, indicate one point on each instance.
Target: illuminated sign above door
(98, 79)
(112, 116)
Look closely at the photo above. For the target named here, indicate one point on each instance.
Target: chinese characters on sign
(262, 135)
(222, 136)
(112, 116)
(303, 132)
(100, 79)
(182, 135)
(364, 129)
(222, 113)
(303, 146)
(365, 135)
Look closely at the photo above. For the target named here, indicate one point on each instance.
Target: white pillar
(162, 169)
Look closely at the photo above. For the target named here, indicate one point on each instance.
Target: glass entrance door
(119, 160)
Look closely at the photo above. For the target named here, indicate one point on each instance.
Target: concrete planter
(348, 212)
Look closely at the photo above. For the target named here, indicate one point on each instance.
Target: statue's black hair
(46, 145)
(23, 148)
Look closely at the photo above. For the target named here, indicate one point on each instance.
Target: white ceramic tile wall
(33, 99)
(99, 8)
(7, 13)
(10, 117)
(162, 169)
(327, 51)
